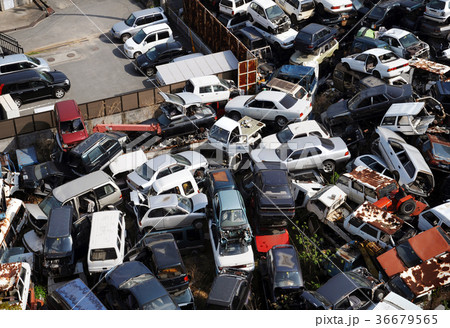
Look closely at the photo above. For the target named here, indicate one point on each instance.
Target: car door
(162, 37)
(106, 195)
(40, 89)
(178, 218)
(268, 111)
(253, 109)
(149, 42)
(357, 192)
(206, 93)
(221, 93)
(157, 218)
(261, 16)
(295, 161)
(359, 63)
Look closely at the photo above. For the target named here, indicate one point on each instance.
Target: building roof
(370, 177)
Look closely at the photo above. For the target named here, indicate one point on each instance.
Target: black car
(29, 85)
(271, 195)
(313, 36)
(41, 178)
(251, 38)
(233, 23)
(441, 92)
(132, 286)
(369, 105)
(231, 290)
(158, 55)
(59, 253)
(282, 277)
(385, 13)
(435, 29)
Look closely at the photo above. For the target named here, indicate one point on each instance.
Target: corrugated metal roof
(9, 275)
(195, 67)
(370, 177)
(379, 218)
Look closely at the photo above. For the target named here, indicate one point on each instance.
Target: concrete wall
(16, 3)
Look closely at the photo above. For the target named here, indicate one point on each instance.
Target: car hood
(76, 137)
(417, 48)
(270, 142)
(338, 109)
(36, 212)
(264, 155)
(58, 77)
(184, 99)
(199, 201)
(237, 102)
(142, 60)
(120, 26)
(137, 180)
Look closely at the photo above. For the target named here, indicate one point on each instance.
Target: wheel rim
(328, 167)
(281, 121)
(136, 55)
(125, 37)
(150, 71)
(59, 93)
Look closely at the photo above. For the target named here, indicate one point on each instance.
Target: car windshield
(232, 248)
(377, 13)
(152, 54)
(71, 126)
(130, 20)
(225, 83)
(47, 77)
(287, 279)
(288, 101)
(163, 120)
(181, 160)
(436, 4)
(33, 59)
(145, 172)
(283, 151)
(352, 103)
(441, 151)
(162, 303)
(360, 281)
(185, 203)
(49, 203)
(219, 134)
(388, 57)
(58, 245)
(139, 36)
(274, 12)
(409, 40)
(284, 135)
(407, 255)
(232, 218)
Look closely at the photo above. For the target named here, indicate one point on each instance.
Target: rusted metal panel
(379, 218)
(9, 276)
(429, 243)
(370, 177)
(430, 66)
(428, 276)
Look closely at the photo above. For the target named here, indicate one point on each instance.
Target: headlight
(66, 81)
(130, 48)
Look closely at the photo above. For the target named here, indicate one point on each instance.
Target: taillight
(335, 7)
(348, 6)
(186, 278)
(310, 46)
(347, 153)
(120, 197)
(301, 114)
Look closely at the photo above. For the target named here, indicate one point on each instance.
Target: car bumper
(114, 34)
(396, 72)
(439, 19)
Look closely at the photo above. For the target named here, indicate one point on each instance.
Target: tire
(250, 18)
(293, 19)
(396, 175)
(347, 66)
(281, 121)
(376, 74)
(150, 71)
(408, 207)
(378, 295)
(125, 37)
(328, 166)
(137, 54)
(59, 93)
(18, 102)
(235, 116)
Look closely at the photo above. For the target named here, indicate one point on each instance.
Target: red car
(70, 125)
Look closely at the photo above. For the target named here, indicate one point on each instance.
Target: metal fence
(9, 45)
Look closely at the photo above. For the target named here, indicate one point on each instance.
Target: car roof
(265, 3)
(172, 180)
(430, 243)
(338, 286)
(229, 199)
(9, 275)
(67, 110)
(60, 222)
(164, 250)
(270, 95)
(396, 33)
(148, 11)
(204, 80)
(368, 40)
(8, 59)
(430, 66)
(251, 33)
(156, 27)
(442, 211)
(78, 296)
(313, 28)
(104, 229)
(378, 218)
(166, 200)
(401, 109)
(329, 194)
(377, 51)
(222, 178)
(19, 76)
(90, 142)
(168, 46)
(369, 177)
(304, 126)
(160, 161)
(223, 289)
(79, 185)
(285, 258)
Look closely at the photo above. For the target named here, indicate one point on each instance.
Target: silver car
(306, 153)
(136, 21)
(169, 211)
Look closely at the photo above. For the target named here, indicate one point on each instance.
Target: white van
(211, 89)
(147, 38)
(297, 10)
(181, 183)
(107, 241)
(234, 7)
(15, 279)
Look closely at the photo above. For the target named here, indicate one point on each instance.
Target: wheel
(281, 121)
(396, 175)
(293, 19)
(59, 93)
(378, 295)
(235, 116)
(137, 54)
(270, 30)
(328, 166)
(18, 102)
(347, 66)
(198, 224)
(250, 18)
(408, 207)
(125, 37)
(376, 74)
(320, 8)
(150, 71)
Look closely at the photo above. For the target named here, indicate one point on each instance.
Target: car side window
(365, 102)
(37, 84)
(140, 21)
(219, 87)
(268, 105)
(431, 218)
(296, 155)
(157, 17)
(206, 89)
(156, 213)
(343, 180)
(342, 304)
(370, 193)
(176, 168)
(163, 173)
(390, 120)
(256, 104)
(361, 57)
(355, 222)
(357, 186)
(150, 38)
(163, 35)
(379, 99)
(369, 230)
(395, 43)
(104, 191)
(188, 188)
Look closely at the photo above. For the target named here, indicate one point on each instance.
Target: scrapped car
(143, 177)
(438, 11)
(42, 178)
(70, 126)
(282, 277)
(15, 285)
(234, 7)
(269, 15)
(334, 6)
(169, 211)
(306, 153)
(233, 23)
(405, 44)
(294, 131)
(436, 216)
(133, 286)
(136, 21)
(254, 41)
(219, 179)
(405, 162)
(312, 37)
(428, 244)
(316, 58)
(306, 184)
(275, 106)
(158, 55)
(363, 43)
(377, 62)
(297, 10)
(435, 149)
(14, 218)
(425, 73)
(372, 162)
(231, 290)
(211, 89)
(181, 183)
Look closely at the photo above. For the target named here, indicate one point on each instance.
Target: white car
(379, 62)
(436, 216)
(234, 7)
(438, 11)
(405, 162)
(405, 44)
(334, 6)
(297, 10)
(372, 162)
(169, 211)
(146, 39)
(163, 165)
(294, 131)
(211, 89)
(269, 15)
(275, 106)
(228, 255)
(306, 153)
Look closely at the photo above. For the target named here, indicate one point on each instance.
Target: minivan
(70, 126)
(211, 89)
(18, 62)
(29, 85)
(234, 7)
(147, 38)
(87, 194)
(297, 10)
(181, 183)
(107, 241)
(136, 21)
